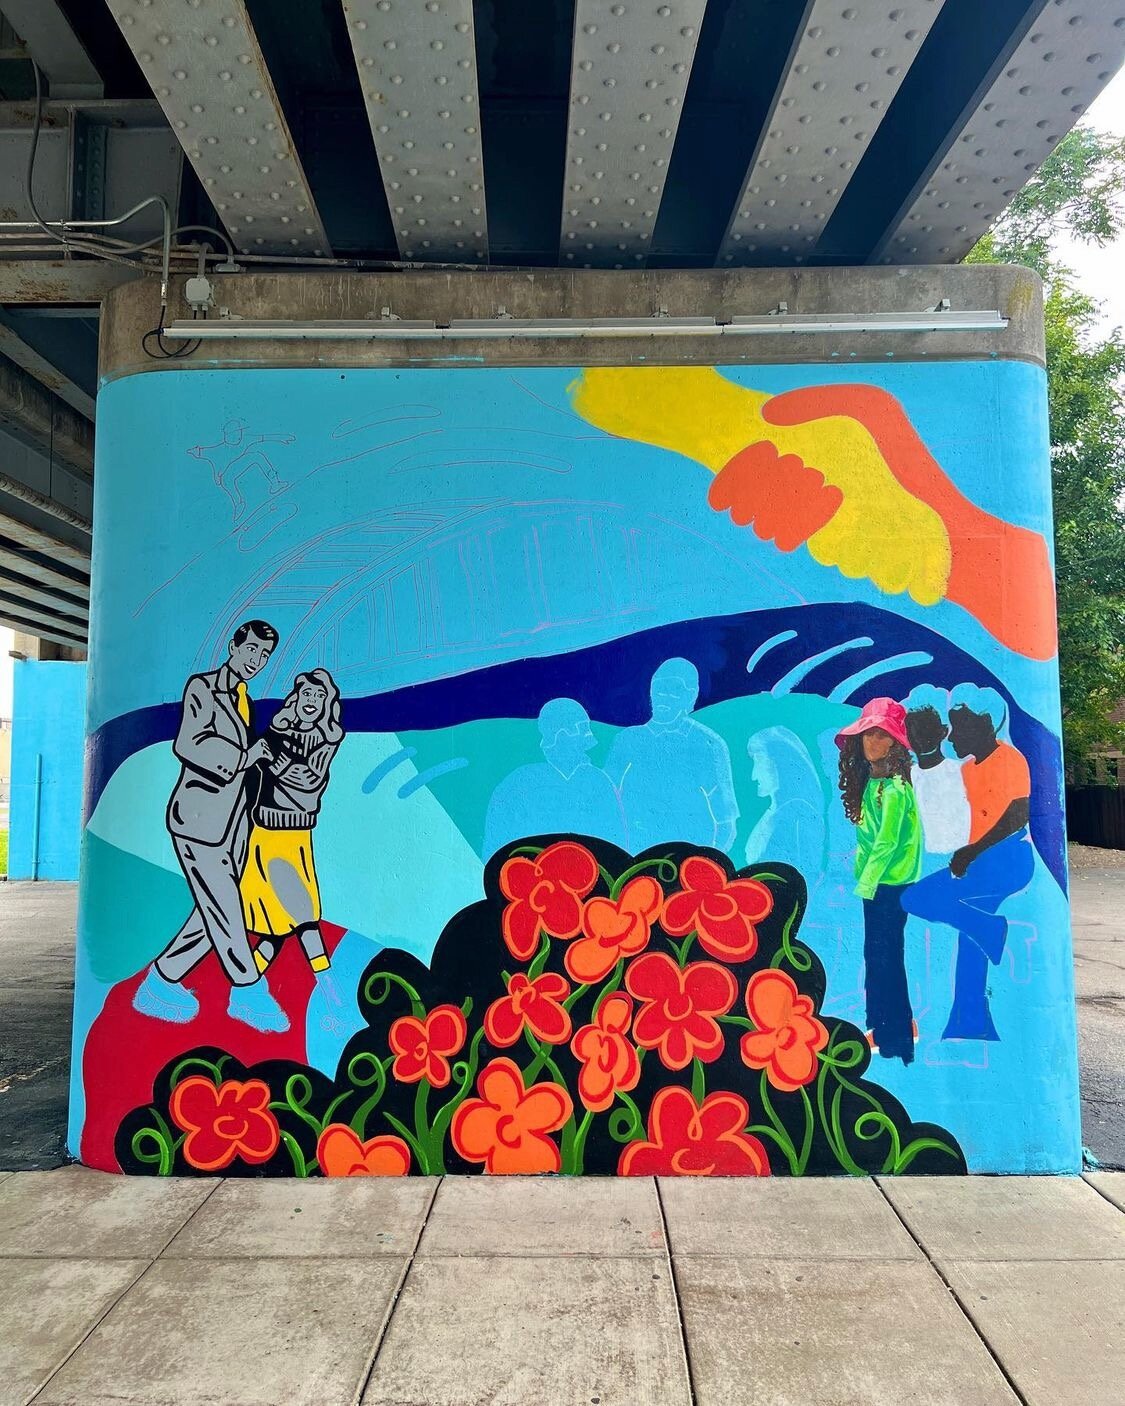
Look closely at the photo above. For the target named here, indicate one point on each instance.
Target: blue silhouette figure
(794, 828)
(673, 774)
(563, 793)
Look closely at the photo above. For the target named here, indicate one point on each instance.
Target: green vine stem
(780, 1131)
(422, 1130)
(579, 1148)
(832, 1131)
(609, 988)
(575, 996)
(877, 1123)
(198, 1062)
(542, 1060)
(533, 850)
(920, 1144)
(388, 979)
(418, 1150)
(810, 1124)
(799, 958)
(633, 1126)
(540, 960)
(296, 1156)
(464, 1071)
(164, 1157)
(378, 1078)
(698, 1082)
(740, 1020)
(298, 1094)
(681, 949)
(663, 865)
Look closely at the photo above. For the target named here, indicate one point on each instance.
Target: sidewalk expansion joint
(957, 1298)
(128, 1289)
(671, 1264)
(380, 1337)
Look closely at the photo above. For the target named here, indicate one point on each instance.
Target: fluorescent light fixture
(511, 329)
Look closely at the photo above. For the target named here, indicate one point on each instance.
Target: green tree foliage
(1080, 192)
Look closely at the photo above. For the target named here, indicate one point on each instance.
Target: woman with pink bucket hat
(879, 800)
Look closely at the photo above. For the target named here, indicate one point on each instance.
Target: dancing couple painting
(241, 817)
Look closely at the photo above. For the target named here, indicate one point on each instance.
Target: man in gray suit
(209, 823)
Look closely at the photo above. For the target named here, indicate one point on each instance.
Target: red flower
(545, 895)
(701, 1140)
(423, 1048)
(614, 928)
(680, 1006)
(788, 1034)
(233, 1120)
(722, 911)
(535, 1004)
(341, 1153)
(506, 1128)
(609, 1062)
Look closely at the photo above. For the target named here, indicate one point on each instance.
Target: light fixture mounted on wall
(391, 329)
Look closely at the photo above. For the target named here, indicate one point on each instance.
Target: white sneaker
(165, 1000)
(256, 1006)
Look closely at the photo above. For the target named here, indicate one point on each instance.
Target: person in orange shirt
(996, 863)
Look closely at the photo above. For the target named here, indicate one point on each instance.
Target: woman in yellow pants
(280, 893)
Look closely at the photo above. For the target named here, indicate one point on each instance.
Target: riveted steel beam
(23, 618)
(204, 64)
(72, 554)
(17, 583)
(24, 564)
(629, 75)
(40, 369)
(54, 46)
(418, 72)
(1038, 88)
(39, 282)
(844, 70)
(38, 418)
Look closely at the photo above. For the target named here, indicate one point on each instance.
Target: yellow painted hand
(879, 530)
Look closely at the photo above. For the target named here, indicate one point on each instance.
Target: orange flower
(614, 928)
(609, 1061)
(423, 1048)
(535, 1004)
(680, 1006)
(788, 1036)
(232, 1120)
(506, 1127)
(341, 1153)
(701, 1140)
(546, 895)
(722, 911)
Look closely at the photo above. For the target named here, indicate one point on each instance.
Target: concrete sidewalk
(526, 1292)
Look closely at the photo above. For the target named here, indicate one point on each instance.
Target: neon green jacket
(889, 836)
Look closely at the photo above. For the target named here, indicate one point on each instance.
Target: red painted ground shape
(126, 1050)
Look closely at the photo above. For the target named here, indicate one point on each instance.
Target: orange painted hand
(778, 495)
(999, 572)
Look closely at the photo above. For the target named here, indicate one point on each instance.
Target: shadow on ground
(37, 929)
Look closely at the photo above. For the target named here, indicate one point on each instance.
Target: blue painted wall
(631, 606)
(49, 709)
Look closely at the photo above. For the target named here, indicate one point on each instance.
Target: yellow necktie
(242, 702)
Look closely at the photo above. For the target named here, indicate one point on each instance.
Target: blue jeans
(889, 1016)
(970, 905)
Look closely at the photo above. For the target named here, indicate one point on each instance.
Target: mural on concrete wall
(607, 770)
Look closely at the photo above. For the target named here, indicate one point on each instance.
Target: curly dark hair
(855, 772)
